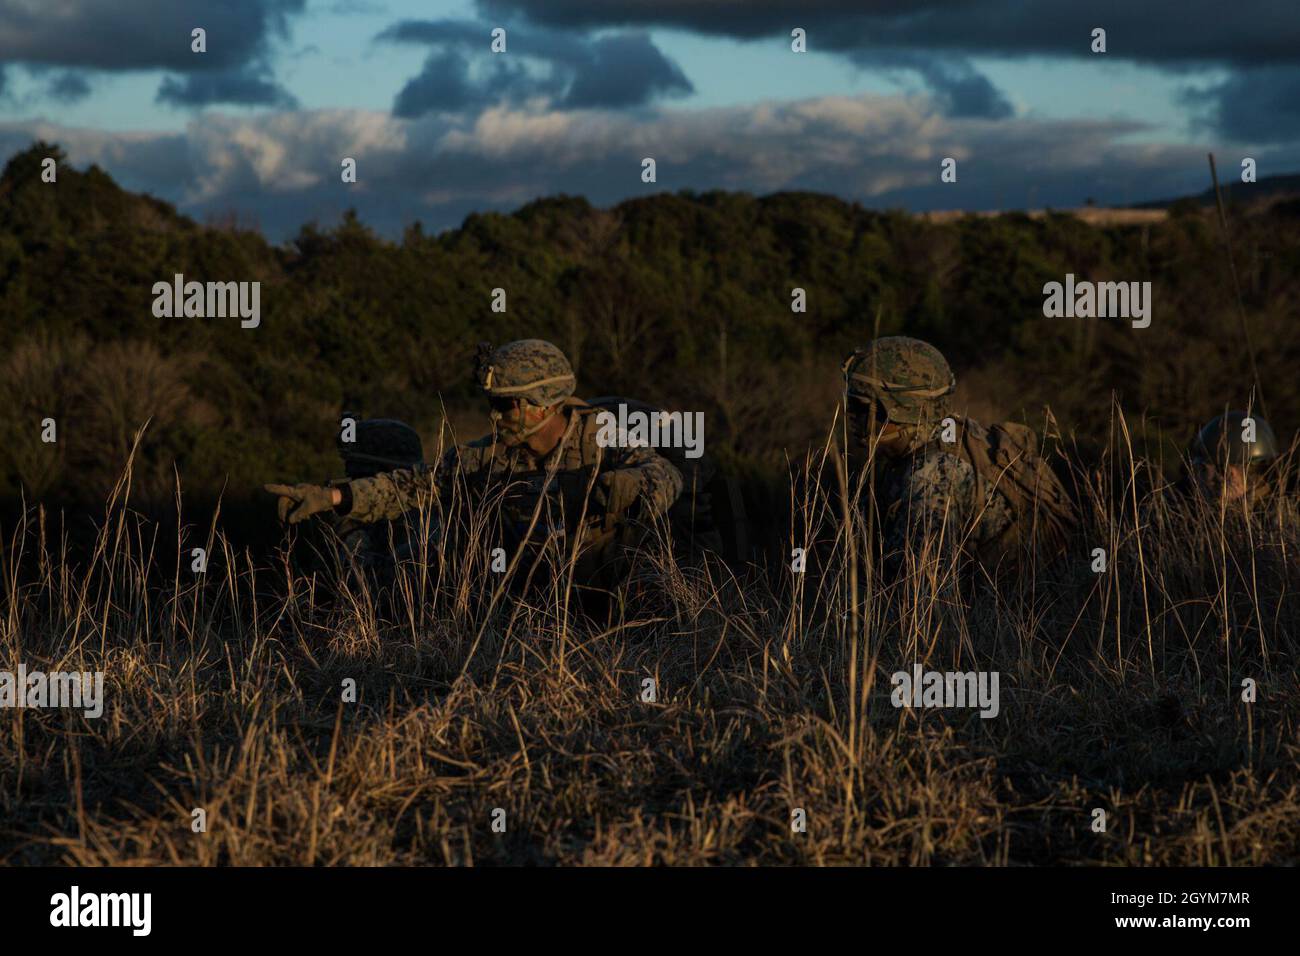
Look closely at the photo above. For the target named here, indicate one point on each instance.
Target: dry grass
(1119, 691)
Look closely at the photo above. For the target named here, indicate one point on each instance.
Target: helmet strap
(534, 429)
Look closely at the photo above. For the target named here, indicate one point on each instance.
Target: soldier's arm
(642, 480)
(393, 493)
(385, 496)
(390, 495)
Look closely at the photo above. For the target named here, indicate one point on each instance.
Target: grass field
(1120, 691)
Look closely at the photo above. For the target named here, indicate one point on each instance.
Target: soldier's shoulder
(592, 420)
(993, 449)
(468, 455)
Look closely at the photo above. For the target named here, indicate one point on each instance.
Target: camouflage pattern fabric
(935, 490)
(691, 515)
(626, 484)
(532, 370)
(910, 379)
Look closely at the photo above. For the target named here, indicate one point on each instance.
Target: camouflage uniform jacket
(647, 483)
(934, 489)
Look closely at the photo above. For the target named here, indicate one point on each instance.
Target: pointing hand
(302, 501)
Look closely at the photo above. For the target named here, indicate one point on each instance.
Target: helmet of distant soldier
(1225, 439)
(381, 444)
(909, 380)
(530, 370)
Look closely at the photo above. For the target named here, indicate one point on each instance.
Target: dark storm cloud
(446, 32)
(88, 35)
(68, 86)
(52, 83)
(625, 69)
(1252, 105)
(612, 71)
(141, 34)
(1255, 40)
(958, 88)
(250, 86)
(445, 84)
(1263, 31)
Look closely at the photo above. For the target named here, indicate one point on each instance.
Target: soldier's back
(989, 486)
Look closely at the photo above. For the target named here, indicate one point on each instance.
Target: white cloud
(284, 167)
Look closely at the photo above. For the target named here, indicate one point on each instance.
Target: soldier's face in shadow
(1215, 482)
(869, 426)
(513, 419)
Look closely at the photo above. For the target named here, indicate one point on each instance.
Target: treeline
(682, 299)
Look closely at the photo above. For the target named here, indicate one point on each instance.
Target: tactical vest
(603, 553)
(574, 472)
(1006, 456)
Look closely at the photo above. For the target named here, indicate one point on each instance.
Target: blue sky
(441, 127)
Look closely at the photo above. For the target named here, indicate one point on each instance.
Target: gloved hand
(298, 502)
(617, 493)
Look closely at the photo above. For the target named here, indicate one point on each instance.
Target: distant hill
(1270, 188)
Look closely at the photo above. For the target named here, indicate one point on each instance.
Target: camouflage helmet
(382, 444)
(909, 378)
(1223, 438)
(532, 370)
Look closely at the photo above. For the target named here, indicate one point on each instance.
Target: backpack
(1006, 455)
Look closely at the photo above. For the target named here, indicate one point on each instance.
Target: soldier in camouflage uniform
(985, 489)
(541, 470)
(1223, 463)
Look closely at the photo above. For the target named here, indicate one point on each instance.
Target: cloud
(68, 86)
(1256, 41)
(1259, 105)
(50, 83)
(625, 70)
(611, 71)
(447, 84)
(89, 35)
(464, 33)
(283, 168)
(244, 86)
(140, 35)
(156, 163)
(1193, 31)
(960, 90)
